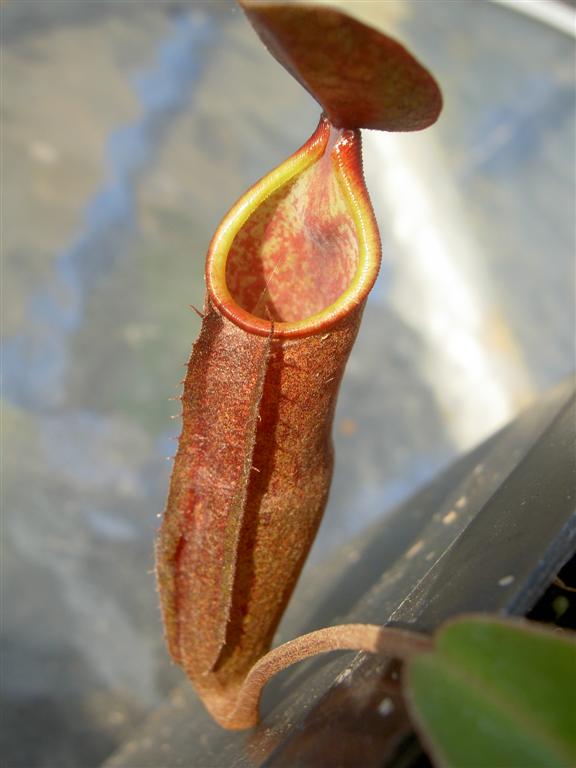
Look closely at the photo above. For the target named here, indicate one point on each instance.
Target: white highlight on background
(440, 290)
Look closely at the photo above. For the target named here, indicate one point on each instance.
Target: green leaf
(496, 693)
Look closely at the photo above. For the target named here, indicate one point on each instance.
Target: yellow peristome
(345, 158)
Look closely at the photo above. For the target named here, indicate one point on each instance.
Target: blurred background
(128, 130)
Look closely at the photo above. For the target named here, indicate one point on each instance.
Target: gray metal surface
(128, 130)
(488, 535)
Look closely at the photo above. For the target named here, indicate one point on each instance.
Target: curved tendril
(395, 643)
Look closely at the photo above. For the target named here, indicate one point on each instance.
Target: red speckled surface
(361, 77)
(309, 253)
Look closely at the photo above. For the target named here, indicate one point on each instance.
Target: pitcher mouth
(300, 250)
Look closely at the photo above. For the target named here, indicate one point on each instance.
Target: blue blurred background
(128, 130)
